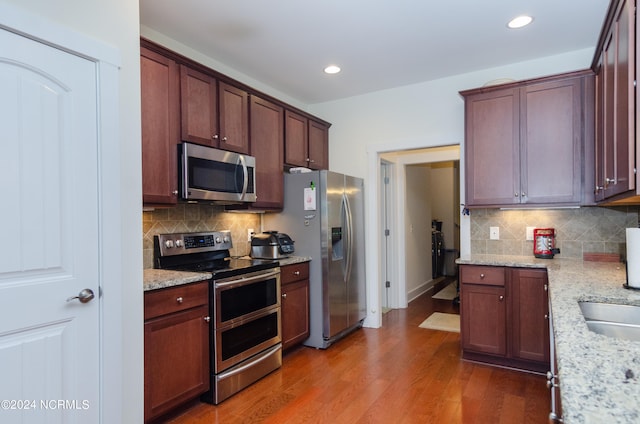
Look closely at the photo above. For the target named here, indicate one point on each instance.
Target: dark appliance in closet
(437, 249)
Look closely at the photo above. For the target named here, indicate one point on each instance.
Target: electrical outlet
(530, 233)
(250, 232)
(494, 233)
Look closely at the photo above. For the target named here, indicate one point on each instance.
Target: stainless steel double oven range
(244, 298)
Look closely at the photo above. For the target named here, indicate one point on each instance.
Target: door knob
(84, 296)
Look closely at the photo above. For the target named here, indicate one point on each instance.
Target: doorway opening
(417, 189)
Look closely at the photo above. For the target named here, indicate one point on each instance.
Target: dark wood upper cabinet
(614, 64)
(267, 146)
(234, 118)
(492, 150)
(198, 107)
(318, 145)
(213, 113)
(306, 142)
(296, 139)
(530, 142)
(160, 127)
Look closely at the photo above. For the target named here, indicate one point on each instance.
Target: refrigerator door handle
(349, 244)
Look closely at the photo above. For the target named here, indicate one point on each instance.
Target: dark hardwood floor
(399, 373)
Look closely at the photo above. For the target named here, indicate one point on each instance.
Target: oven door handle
(264, 355)
(243, 280)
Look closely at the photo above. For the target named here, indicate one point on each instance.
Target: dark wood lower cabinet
(295, 304)
(484, 319)
(176, 347)
(504, 316)
(529, 315)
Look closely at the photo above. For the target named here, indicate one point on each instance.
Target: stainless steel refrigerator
(324, 215)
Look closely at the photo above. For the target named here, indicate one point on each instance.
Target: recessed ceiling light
(520, 21)
(332, 69)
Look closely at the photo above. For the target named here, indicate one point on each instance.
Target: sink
(613, 320)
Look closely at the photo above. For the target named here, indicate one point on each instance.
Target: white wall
(116, 22)
(417, 228)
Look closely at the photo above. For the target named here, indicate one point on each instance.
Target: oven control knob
(179, 243)
(168, 244)
(226, 239)
(218, 240)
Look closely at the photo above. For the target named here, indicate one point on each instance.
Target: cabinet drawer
(479, 274)
(174, 299)
(295, 272)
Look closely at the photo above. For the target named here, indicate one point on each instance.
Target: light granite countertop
(593, 369)
(154, 279)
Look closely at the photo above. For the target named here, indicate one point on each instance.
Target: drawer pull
(481, 276)
(207, 319)
(179, 300)
(296, 272)
(501, 298)
(284, 295)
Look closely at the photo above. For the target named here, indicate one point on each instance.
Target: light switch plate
(494, 233)
(249, 233)
(530, 233)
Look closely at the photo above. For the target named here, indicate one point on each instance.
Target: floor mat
(448, 293)
(442, 322)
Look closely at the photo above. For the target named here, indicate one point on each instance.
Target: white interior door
(49, 345)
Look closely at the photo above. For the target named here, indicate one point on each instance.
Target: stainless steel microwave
(216, 175)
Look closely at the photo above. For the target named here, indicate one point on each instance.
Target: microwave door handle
(245, 173)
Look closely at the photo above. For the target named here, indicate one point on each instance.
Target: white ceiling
(379, 44)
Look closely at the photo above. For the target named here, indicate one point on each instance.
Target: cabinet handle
(515, 194)
(224, 138)
(481, 276)
(207, 319)
(501, 298)
(546, 287)
(215, 136)
(296, 272)
(174, 192)
(179, 300)
(284, 295)
(610, 180)
(523, 194)
(546, 316)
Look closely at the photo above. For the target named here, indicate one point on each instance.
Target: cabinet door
(199, 107)
(492, 151)
(296, 138)
(176, 360)
(234, 118)
(267, 146)
(483, 317)
(529, 314)
(599, 131)
(160, 127)
(318, 145)
(295, 313)
(551, 142)
(618, 102)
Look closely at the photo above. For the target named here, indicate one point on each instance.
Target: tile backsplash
(578, 231)
(189, 217)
